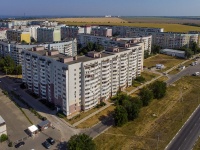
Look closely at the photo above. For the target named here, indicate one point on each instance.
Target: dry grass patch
(197, 145)
(162, 117)
(149, 75)
(97, 118)
(166, 60)
(89, 20)
(80, 116)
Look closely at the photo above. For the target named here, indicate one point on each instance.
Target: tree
(146, 96)
(194, 47)
(159, 89)
(81, 142)
(155, 49)
(120, 116)
(188, 53)
(18, 70)
(140, 79)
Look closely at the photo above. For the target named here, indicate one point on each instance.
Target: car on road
(51, 140)
(196, 74)
(46, 144)
(20, 144)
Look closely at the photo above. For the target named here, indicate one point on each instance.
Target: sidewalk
(92, 114)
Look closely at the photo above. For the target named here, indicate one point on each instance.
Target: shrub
(60, 114)
(3, 137)
(10, 144)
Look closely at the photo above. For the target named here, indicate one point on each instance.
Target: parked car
(46, 145)
(51, 140)
(20, 144)
(196, 74)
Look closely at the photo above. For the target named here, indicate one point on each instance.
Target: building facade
(71, 32)
(14, 49)
(3, 33)
(101, 31)
(80, 83)
(48, 34)
(18, 35)
(2, 126)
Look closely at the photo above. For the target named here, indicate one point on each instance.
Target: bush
(100, 105)
(140, 79)
(5, 93)
(120, 116)
(10, 144)
(3, 137)
(60, 114)
(159, 89)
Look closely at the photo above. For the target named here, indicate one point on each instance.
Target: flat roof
(2, 120)
(43, 123)
(32, 128)
(173, 51)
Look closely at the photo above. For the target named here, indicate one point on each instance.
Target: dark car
(46, 145)
(19, 144)
(51, 140)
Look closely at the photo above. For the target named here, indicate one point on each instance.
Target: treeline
(192, 24)
(128, 107)
(89, 47)
(8, 66)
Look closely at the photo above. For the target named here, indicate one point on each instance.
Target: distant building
(3, 33)
(101, 31)
(172, 52)
(45, 34)
(2, 126)
(33, 31)
(71, 32)
(18, 35)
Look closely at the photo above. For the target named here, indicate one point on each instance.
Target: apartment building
(124, 31)
(33, 31)
(106, 42)
(3, 33)
(18, 35)
(80, 83)
(14, 49)
(71, 32)
(83, 39)
(2, 126)
(101, 31)
(51, 34)
(6, 24)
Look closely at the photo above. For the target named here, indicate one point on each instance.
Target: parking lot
(15, 120)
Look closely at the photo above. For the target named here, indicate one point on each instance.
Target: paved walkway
(92, 114)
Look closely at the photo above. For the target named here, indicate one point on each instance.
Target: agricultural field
(167, 61)
(169, 24)
(161, 119)
(89, 20)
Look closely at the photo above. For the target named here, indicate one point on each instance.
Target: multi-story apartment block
(106, 42)
(101, 31)
(75, 83)
(124, 31)
(14, 49)
(2, 126)
(3, 33)
(48, 34)
(6, 25)
(83, 39)
(71, 32)
(18, 35)
(33, 31)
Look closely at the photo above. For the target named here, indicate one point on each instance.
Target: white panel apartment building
(2, 126)
(33, 31)
(14, 49)
(75, 83)
(106, 42)
(71, 31)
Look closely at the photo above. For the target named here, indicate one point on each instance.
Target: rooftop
(172, 50)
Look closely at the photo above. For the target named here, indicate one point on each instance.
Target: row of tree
(89, 47)
(8, 66)
(128, 107)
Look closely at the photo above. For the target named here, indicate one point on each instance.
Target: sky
(100, 7)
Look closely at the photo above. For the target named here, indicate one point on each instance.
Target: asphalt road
(187, 136)
(187, 71)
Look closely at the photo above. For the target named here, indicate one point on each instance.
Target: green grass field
(162, 117)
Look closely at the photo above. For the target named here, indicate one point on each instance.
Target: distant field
(90, 20)
(161, 20)
(169, 24)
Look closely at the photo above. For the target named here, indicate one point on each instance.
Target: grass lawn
(166, 60)
(149, 75)
(161, 118)
(197, 145)
(97, 118)
(80, 116)
(175, 71)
